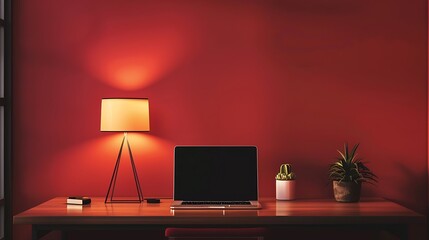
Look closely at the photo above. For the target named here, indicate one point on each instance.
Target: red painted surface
(295, 78)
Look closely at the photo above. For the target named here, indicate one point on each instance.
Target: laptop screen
(215, 173)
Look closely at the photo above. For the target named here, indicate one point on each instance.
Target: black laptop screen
(215, 173)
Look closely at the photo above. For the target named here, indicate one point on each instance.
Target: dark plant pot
(346, 191)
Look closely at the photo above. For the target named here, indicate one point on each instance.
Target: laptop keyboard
(215, 203)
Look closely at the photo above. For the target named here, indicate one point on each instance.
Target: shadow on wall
(406, 182)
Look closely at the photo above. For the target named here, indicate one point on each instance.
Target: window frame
(6, 103)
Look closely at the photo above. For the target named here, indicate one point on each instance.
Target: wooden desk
(374, 213)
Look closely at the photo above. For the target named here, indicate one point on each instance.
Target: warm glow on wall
(132, 77)
(132, 60)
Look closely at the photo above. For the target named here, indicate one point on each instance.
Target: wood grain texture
(320, 212)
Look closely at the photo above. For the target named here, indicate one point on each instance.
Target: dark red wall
(297, 78)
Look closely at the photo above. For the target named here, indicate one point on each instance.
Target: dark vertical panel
(8, 116)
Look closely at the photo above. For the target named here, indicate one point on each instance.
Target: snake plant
(348, 168)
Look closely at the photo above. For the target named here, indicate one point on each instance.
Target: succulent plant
(348, 168)
(285, 173)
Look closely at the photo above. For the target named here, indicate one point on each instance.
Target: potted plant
(285, 183)
(347, 175)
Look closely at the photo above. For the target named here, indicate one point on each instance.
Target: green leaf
(342, 155)
(346, 150)
(354, 150)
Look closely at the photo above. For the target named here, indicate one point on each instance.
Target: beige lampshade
(124, 115)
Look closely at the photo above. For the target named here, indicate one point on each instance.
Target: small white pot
(285, 189)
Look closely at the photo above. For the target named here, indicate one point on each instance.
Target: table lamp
(124, 115)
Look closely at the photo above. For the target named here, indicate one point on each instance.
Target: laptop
(215, 177)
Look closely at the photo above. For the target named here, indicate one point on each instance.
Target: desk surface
(368, 211)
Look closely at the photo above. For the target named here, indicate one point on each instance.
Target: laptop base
(254, 205)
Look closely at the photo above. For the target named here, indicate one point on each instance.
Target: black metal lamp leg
(115, 174)
(136, 177)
